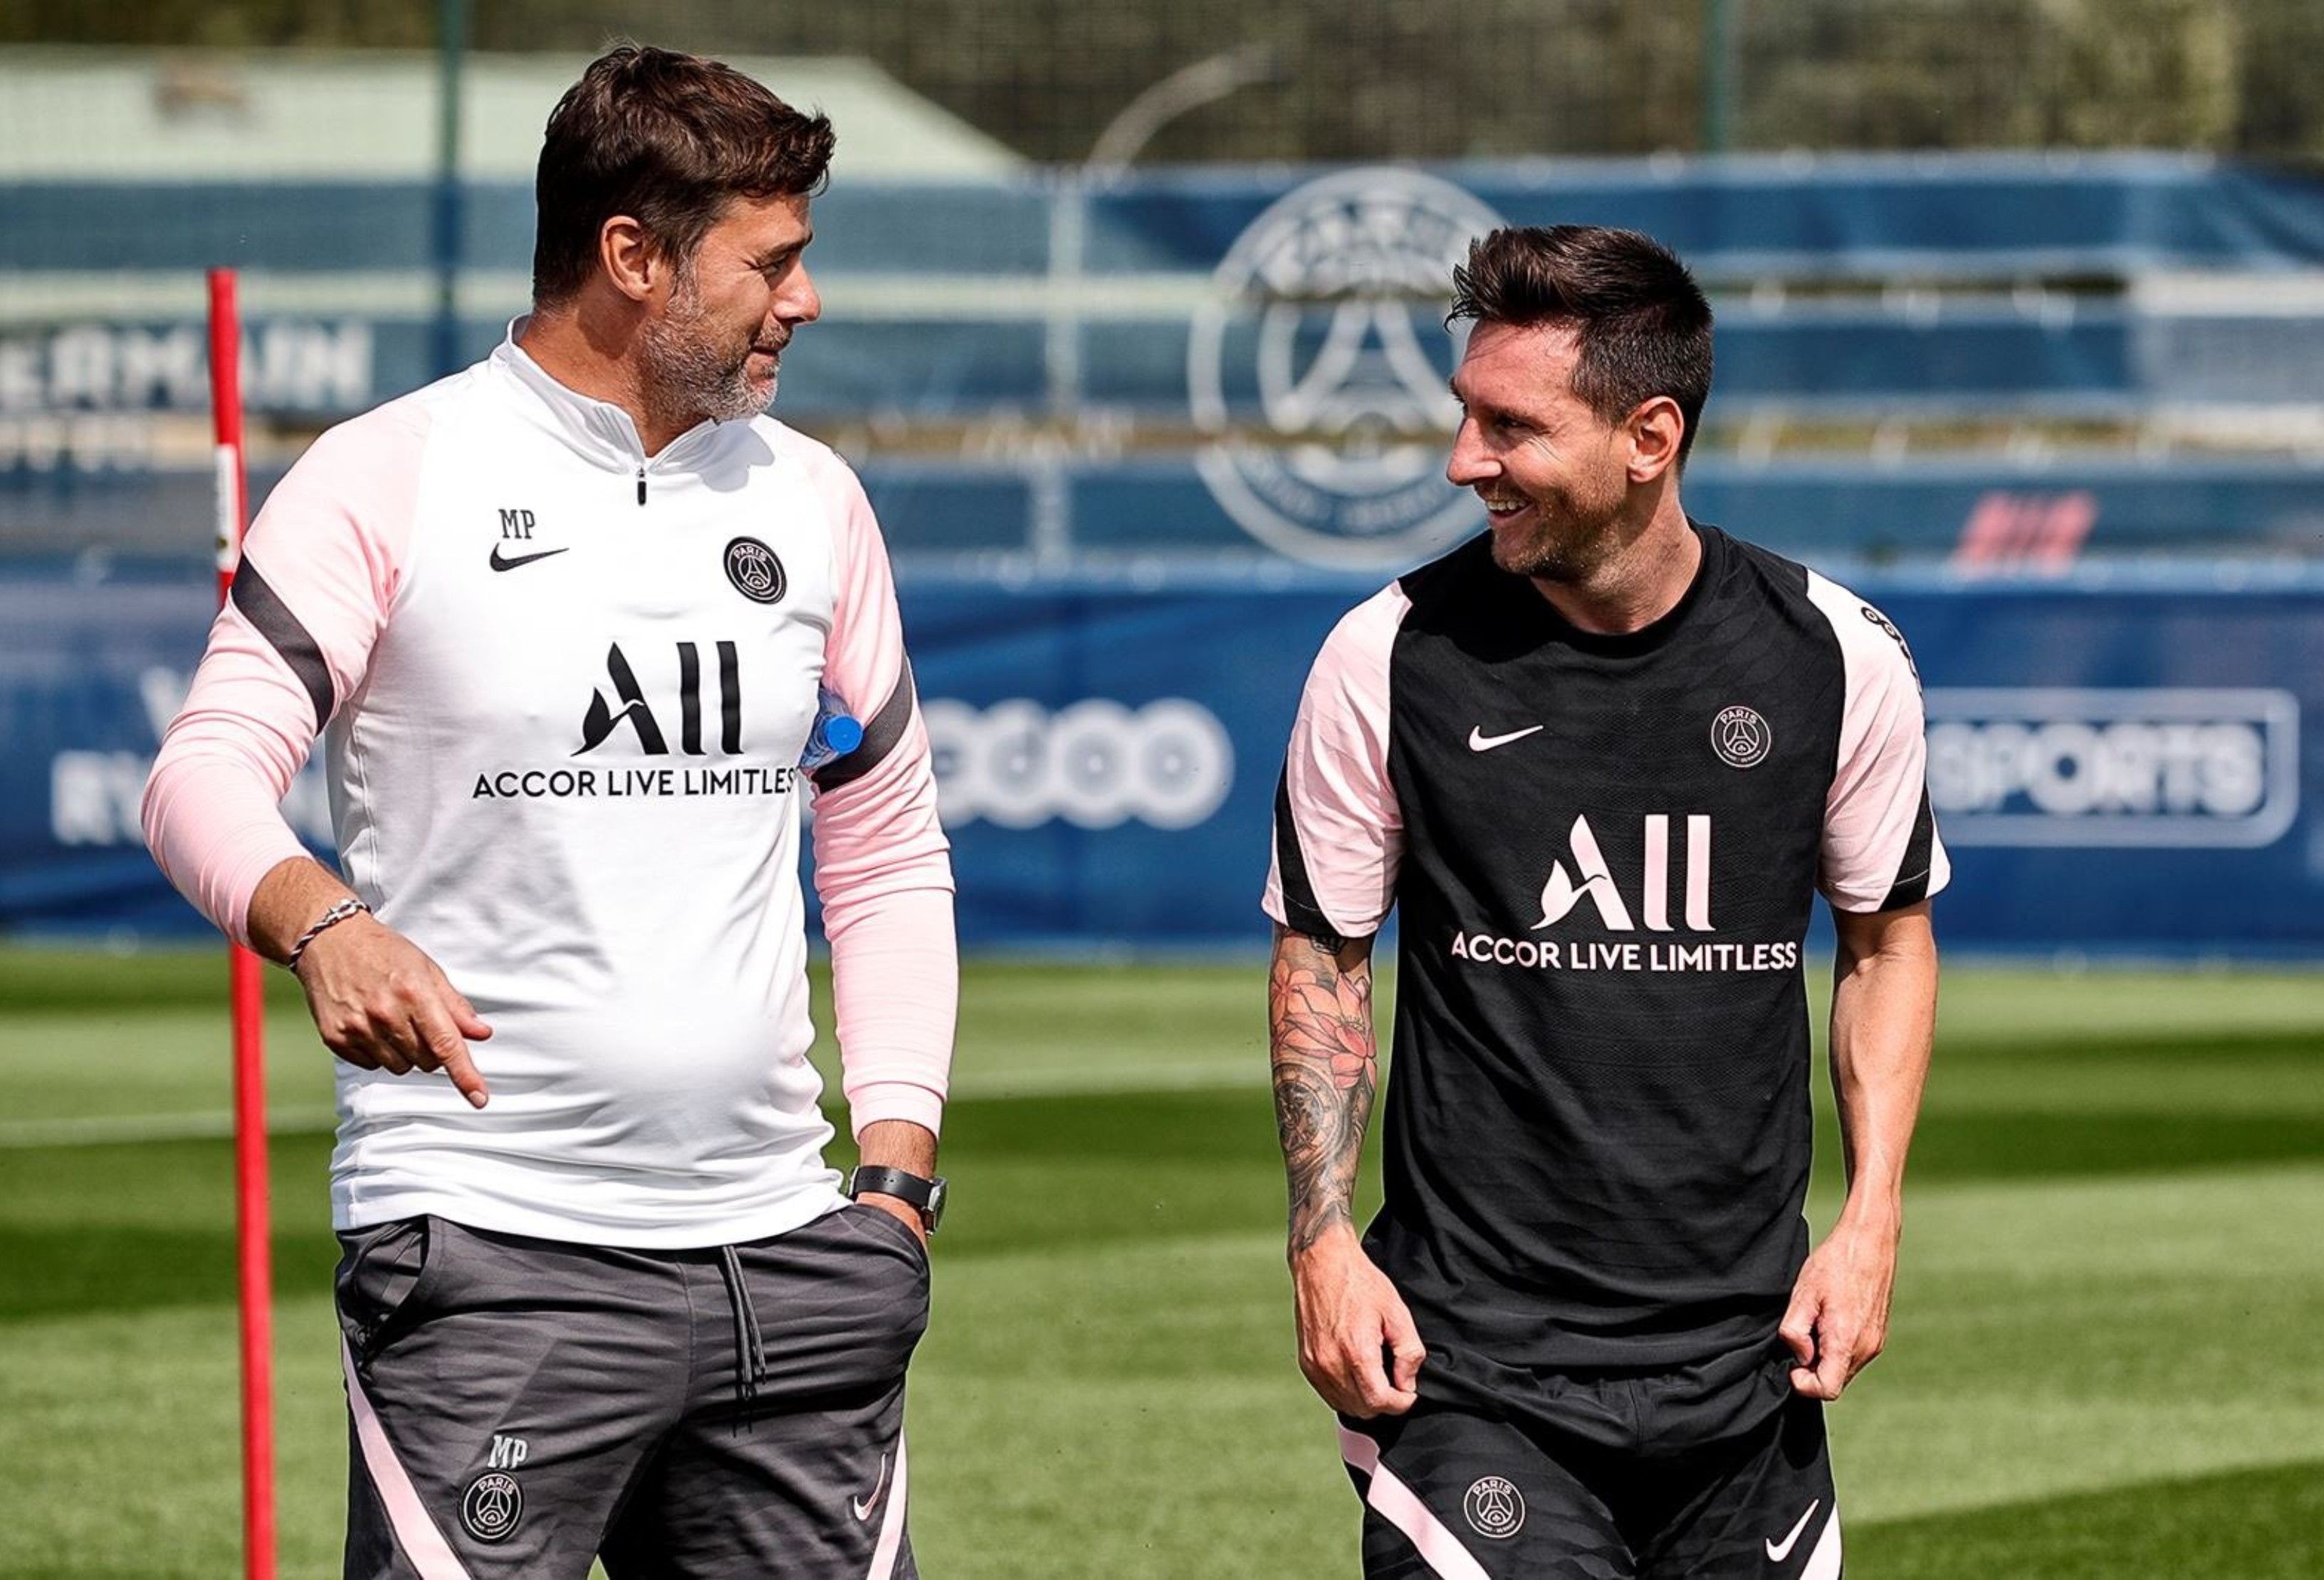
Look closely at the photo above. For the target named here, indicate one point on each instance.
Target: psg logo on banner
(1316, 370)
(755, 571)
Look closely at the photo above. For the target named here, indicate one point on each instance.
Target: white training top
(564, 691)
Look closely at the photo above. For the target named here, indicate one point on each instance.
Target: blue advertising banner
(2116, 769)
(1253, 362)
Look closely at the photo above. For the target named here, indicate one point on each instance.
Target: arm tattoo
(1326, 1067)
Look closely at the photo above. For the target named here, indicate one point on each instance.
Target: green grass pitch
(2109, 1354)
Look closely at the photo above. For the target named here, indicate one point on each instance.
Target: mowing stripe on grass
(113, 1130)
(991, 1085)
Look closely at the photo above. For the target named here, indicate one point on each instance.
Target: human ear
(629, 255)
(1655, 430)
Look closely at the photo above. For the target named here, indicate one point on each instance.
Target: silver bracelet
(323, 924)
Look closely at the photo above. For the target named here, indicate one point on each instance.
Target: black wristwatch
(927, 1194)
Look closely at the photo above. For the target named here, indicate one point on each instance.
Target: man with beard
(1598, 760)
(568, 623)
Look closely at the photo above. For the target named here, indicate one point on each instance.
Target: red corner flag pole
(249, 999)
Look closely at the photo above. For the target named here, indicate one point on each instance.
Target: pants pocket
(880, 1221)
(380, 1274)
(903, 1258)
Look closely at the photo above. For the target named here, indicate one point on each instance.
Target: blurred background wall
(1133, 327)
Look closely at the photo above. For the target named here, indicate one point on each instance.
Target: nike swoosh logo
(1481, 742)
(511, 561)
(1779, 1552)
(863, 1506)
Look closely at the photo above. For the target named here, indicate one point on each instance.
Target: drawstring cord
(750, 1344)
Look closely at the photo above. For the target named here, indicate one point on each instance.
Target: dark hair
(1643, 325)
(668, 139)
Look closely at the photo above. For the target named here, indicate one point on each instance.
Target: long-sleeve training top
(563, 691)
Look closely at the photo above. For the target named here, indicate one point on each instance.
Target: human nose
(1469, 464)
(800, 302)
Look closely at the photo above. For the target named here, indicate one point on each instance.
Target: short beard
(1562, 549)
(689, 377)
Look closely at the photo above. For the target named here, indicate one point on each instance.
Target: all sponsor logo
(2148, 768)
(602, 717)
(493, 1507)
(1562, 893)
(1591, 895)
(630, 714)
(1095, 764)
(1327, 313)
(1494, 1507)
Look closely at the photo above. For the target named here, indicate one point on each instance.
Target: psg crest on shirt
(1741, 738)
(755, 571)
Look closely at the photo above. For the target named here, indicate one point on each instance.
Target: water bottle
(835, 733)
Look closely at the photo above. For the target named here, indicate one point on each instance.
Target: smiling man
(1598, 762)
(565, 623)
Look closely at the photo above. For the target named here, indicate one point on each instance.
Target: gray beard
(689, 380)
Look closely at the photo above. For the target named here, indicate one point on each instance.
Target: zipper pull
(642, 485)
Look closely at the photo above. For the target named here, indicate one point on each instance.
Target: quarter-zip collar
(599, 432)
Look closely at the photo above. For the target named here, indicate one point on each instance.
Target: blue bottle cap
(842, 733)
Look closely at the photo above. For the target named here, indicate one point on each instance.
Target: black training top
(1603, 852)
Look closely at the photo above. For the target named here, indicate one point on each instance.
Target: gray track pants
(520, 1406)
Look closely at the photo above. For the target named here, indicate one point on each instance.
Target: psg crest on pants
(1494, 1507)
(493, 1507)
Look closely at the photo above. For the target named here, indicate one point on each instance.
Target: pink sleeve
(1880, 844)
(1338, 832)
(882, 863)
(318, 573)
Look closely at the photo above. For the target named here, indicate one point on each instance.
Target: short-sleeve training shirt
(1603, 852)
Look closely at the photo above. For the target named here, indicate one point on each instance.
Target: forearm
(286, 901)
(883, 867)
(213, 820)
(899, 1143)
(1326, 1070)
(895, 995)
(1883, 1029)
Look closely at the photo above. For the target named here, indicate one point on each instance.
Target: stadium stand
(1909, 343)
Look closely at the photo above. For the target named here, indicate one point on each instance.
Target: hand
(1838, 1321)
(902, 1211)
(897, 1143)
(381, 1004)
(1348, 1314)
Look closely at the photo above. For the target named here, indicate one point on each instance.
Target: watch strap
(901, 1184)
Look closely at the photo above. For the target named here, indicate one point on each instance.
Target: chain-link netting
(1349, 80)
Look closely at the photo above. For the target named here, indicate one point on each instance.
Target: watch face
(933, 1214)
